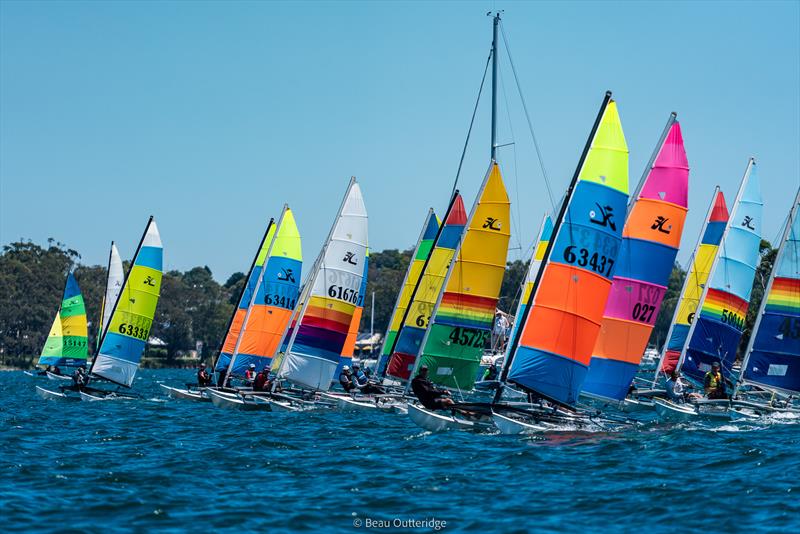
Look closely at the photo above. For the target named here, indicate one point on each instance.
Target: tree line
(195, 307)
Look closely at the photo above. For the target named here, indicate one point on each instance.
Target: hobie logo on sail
(607, 216)
(286, 275)
(492, 224)
(150, 281)
(350, 258)
(746, 222)
(659, 225)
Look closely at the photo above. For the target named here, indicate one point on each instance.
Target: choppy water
(167, 465)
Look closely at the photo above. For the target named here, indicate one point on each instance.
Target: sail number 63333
(134, 331)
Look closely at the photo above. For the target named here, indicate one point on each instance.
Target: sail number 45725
(469, 337)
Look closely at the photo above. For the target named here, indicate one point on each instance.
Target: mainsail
(421, 253)
(461, 321)
(423, 298)
(132, 317)
(552, 350)
(114, 279)
(267, 300)
(717, 328)
(66, 343)
(773, 355)
(349, 347)
(700, 267)
(316, 344)
(650, 242)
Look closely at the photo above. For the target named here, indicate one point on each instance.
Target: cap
(346, 368)
(715, 364)
(423, 368)
(252, 366)
(202, 366)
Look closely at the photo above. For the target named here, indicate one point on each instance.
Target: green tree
(760, 282)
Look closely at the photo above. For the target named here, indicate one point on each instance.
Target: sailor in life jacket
(714, 383)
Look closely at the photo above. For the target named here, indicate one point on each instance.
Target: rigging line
(528, 118)
(514, 151)
(471, 123)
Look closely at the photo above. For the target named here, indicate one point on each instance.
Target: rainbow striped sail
(773, 356)
(552, 353)
(462, 319)
(717, 328)
(352, 333)
(315, 347)
(114, 279)
(66, 343)
(124, 340)
(262, 316)
(408, 342)
(542, 242)
(700, 267)
(650, 243)
(421, 253)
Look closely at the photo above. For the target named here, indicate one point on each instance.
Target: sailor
(429, 395)
(79, 377)
(347, 380)
(714, 383)
(222, 379)
(261, 381)
(362, 383)
(56, 371)
(675, 389)
(250, 374)
(44, 373)
(491, 373)
(203, 378)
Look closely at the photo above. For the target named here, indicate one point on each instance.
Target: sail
(132, 317)
(423, 249)
(245, 297)
(315, 348)
(563, 319)
(352, 333)
(545, 233)
(718, 325)
(114, 280)
(269, 309)
(462, 319)
(650, 242)
(773, 356)
(67, 341)
(699, 269)
(423, 299)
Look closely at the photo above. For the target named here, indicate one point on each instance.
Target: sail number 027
(597, 262)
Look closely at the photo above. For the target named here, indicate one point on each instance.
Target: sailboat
(125, 337)
(772, 359)
(551, 352)
(114, 278)
(66, 344)
(320, 331)
(419, 256)
(650, 242)
(717, 326)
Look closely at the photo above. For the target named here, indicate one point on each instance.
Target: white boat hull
(676, 413)
(510, 426)
(187, 394)
(232, 401)
(53, 395)
(434, 422)
(636, 406)
(58, 378)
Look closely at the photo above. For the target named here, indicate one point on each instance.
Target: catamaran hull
(675, 413)
(231, 401)
(58, 378)
(434, 422)
(47, 394)
(636, 406)
(510, 426)
(186, 394)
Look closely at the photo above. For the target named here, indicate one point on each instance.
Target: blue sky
(211, 115)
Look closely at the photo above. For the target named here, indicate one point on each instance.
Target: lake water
(160, 465)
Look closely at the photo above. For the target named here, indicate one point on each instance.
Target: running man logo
(747, 221)
(492, 224)
(607, 213)
(150, 281)
(350, 258)
(659, 225)
(286, 275)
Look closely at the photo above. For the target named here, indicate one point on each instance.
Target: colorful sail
(461, 322)
(423, 298)
(650, 243)
(700, 266)
(315, 348)
(66, 343)
(566, 308)
(132, 317)
(545, 233)
(773, 355)
(718, 325)
(421, 252)
(352, 333)
(269, 309)
(114, 279)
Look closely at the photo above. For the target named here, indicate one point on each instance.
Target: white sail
(315, 347)
(113, 285)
